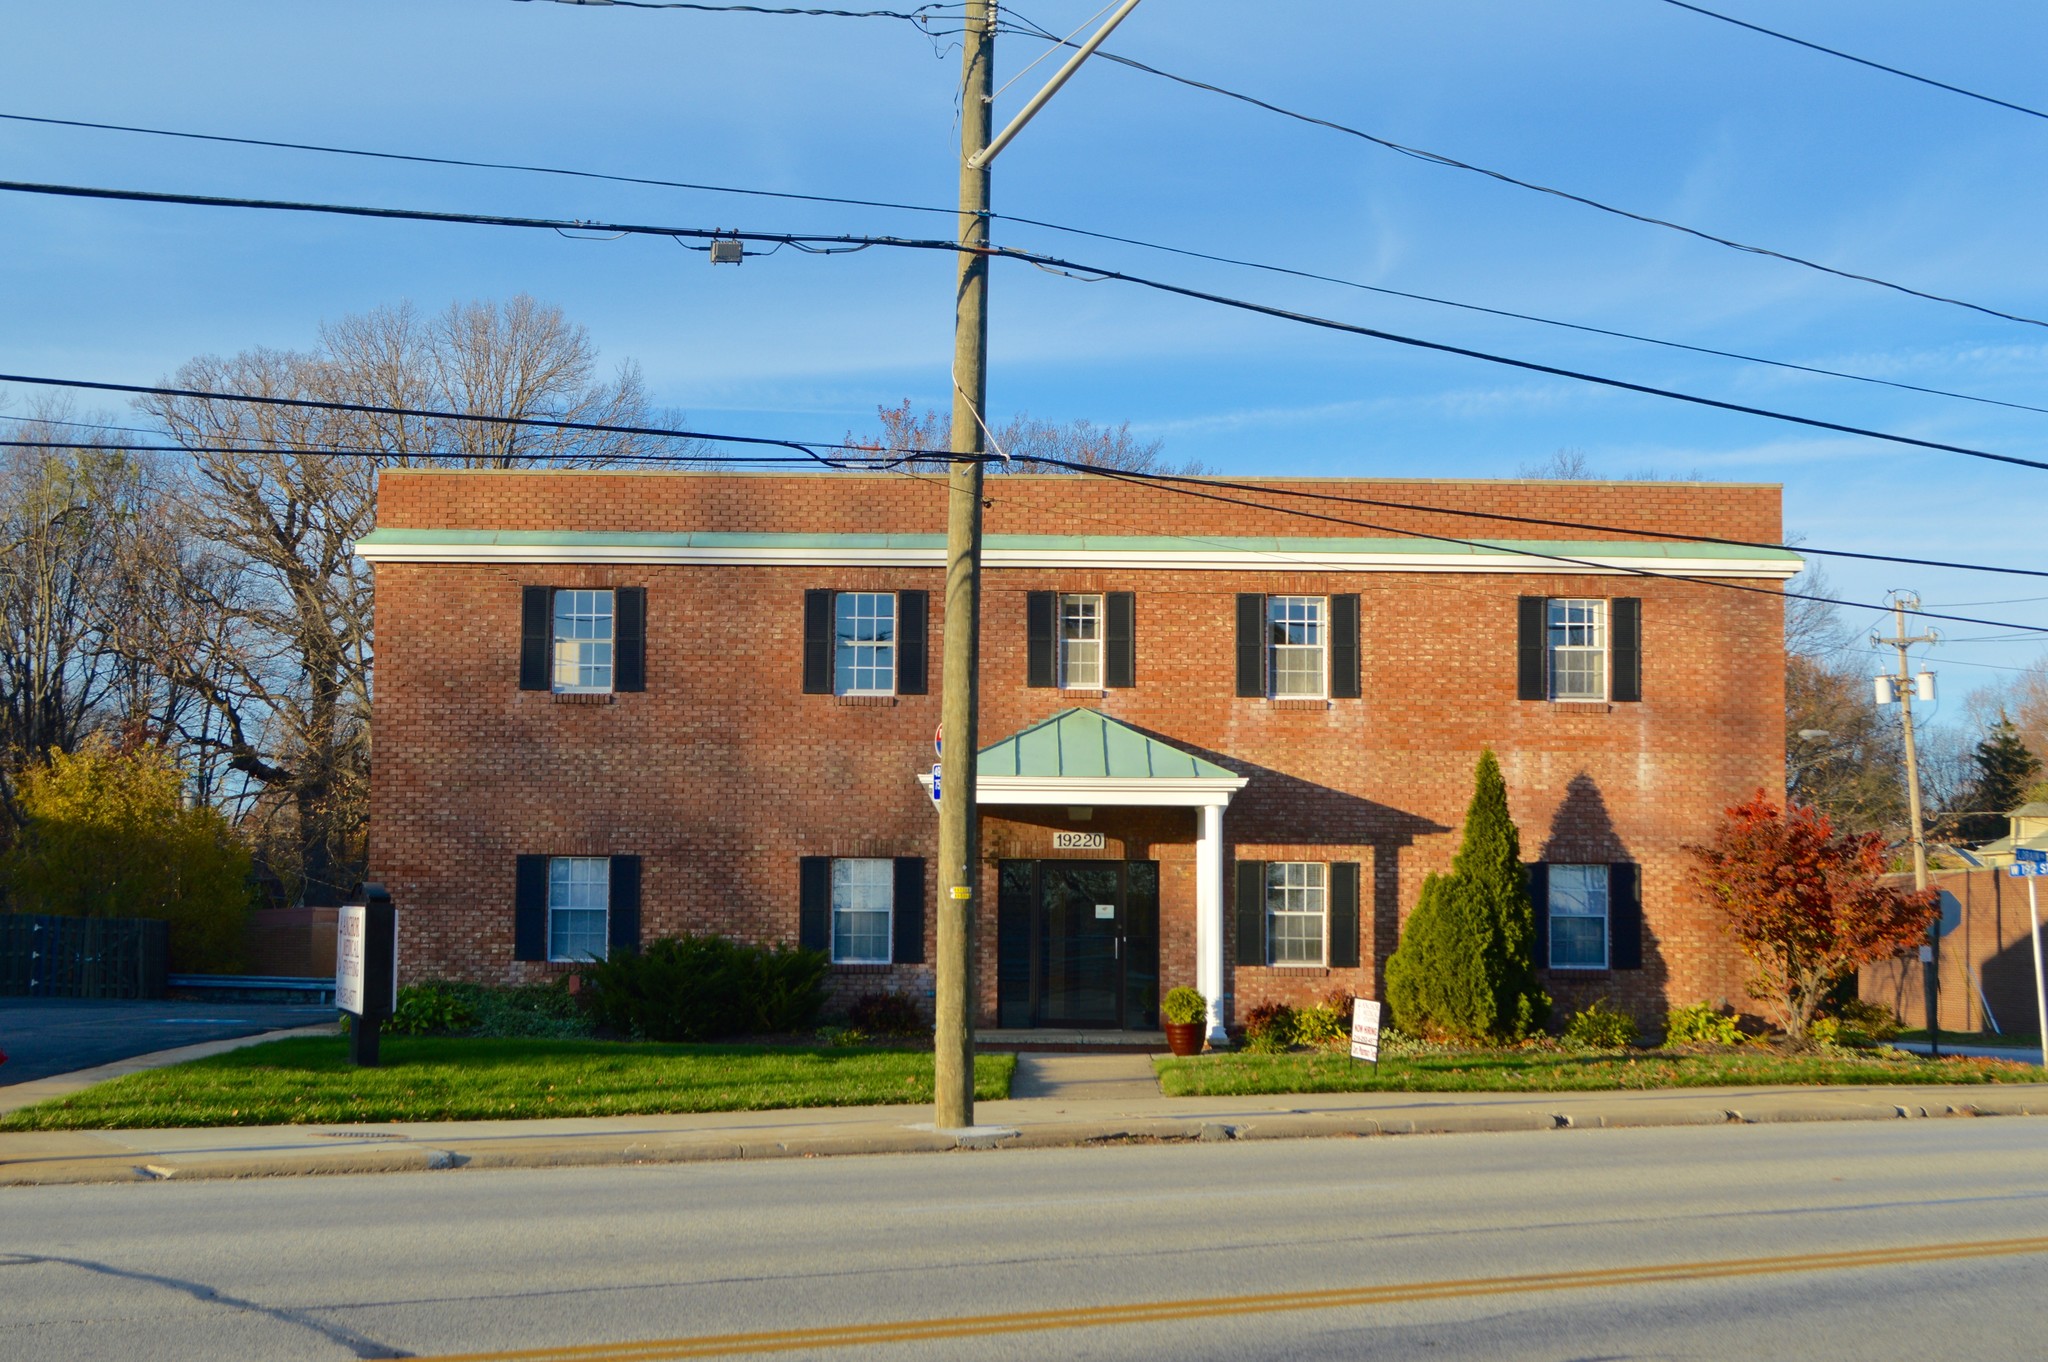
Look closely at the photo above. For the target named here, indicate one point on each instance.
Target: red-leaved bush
(1806, 904)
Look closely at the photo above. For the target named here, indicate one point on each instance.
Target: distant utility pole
(1901, 687)
(959, 701)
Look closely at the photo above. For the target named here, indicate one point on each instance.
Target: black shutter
(1344, 914)
(1539, 899)
(536, 622)
(1121, 669)
(814, 907)
(913, 609)
(1251, 644)
(629, 650)
(530, 909)
(909, 910)
(1251, 913)
(1344, 661)
(1624, 917)
(622, 925)
(1532, 676)
(1039, 609)
(1626, 639)
(818, 642)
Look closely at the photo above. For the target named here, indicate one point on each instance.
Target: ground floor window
(1578, 916)
(1296, 910)
(863, 897)
(579, 901)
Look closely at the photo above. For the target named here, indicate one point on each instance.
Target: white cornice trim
(1152, 560)
(1125, 791)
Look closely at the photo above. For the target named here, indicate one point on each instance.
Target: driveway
(44, 1036)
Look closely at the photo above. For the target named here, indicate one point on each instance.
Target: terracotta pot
(1184, 1038)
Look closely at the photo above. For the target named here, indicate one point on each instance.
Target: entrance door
(1078, 944)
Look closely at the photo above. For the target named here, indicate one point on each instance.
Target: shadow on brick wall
(1582, 833)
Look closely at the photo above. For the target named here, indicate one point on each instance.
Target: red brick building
(1223, 742)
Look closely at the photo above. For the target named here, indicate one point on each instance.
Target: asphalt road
(44, 1036)
(1924, 1238)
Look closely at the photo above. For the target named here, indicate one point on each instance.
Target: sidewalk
(1122, 1112)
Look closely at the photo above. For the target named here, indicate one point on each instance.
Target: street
(1808, 1241)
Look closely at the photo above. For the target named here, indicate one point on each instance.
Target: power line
(919, 16)
(1089, 233)
(1860, 61)
(398, 457)
(1452, 162)
(1058, 265)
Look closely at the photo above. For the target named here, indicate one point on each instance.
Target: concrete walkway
(1065, 1078)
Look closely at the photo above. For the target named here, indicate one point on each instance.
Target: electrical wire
(919, 16)
(1139, 242)
(1860, 61)
(1053, 263)
(1453, 163)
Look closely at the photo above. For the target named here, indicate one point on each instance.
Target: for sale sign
(1365, 1029)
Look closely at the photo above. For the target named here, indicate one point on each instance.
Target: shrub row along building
(1224, 742)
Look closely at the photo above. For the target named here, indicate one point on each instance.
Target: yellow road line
(1213, 1307)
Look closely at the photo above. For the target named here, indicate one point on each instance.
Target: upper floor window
(1578, 916)
(1577, 646)
(864, 643)
(1297, 628)
(582, 638)
(1081, 642)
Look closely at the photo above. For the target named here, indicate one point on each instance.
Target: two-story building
(1222, 743)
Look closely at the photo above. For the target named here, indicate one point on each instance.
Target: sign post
(366, 969)
(1365, 1030)
(2031, 865)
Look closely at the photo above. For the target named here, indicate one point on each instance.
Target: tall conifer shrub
(1466, 965)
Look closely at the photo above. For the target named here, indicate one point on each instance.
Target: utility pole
(959, 701)
(1900, 686)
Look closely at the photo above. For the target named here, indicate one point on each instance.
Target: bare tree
(1025, 438)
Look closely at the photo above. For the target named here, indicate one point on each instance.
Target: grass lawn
(1238, 1075)
(309, 1081)
(2011, 1040)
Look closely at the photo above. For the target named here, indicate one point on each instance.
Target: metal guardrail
(254, 987)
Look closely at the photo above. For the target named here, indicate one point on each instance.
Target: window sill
(1581, 707)
(585, 697)
(838, 968)
(864, 701)
(1299, 703)
(1578, 971)
(1299, 971)
(1082, 693)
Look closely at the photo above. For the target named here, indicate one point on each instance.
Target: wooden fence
(1986, 957)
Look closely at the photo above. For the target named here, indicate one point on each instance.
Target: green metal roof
(1079, 744)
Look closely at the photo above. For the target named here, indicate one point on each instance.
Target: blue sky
(1635, 102)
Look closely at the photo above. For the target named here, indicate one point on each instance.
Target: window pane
(863, 895)
(579, 900)
(1081, 642)
(864, 648)
(1578, 649)
(583, 640)
(1295, 629)
(1578, 917)
(1295, 901)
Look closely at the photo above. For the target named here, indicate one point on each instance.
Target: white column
(1209, 916)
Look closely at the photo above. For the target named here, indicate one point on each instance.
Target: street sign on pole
(2030, 855)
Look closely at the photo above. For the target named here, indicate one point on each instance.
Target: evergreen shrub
(695, 988)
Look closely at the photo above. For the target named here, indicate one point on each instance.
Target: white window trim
(552, 909)
(555, 683)
(1101, 639)
(894, 645)
(888, 956)
(1605, 917)
(1322, 959)
(1322, 691)
(1605, 649)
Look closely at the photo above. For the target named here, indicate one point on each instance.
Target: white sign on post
(1365, 1029)
(349, 939)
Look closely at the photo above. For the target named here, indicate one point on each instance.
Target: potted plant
(1185, 1014)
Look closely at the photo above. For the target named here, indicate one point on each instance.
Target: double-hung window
(1578, 913)
(863, 896)
(579, 902)
(1081, 620)
(1297, 905)
(582, 641)
(1577, 646)
(864, 643)
(1296, 628)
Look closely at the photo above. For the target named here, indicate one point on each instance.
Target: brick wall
(722, 773)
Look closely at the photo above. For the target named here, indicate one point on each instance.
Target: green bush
(440, 1007)
(1866, 1021)
(1269, 1028)
(1601, 1027)
(1465, 968)
(434, 1008)
(706, 988)
(1183, 1007)
(1699, 1025)
(1326, 1023)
